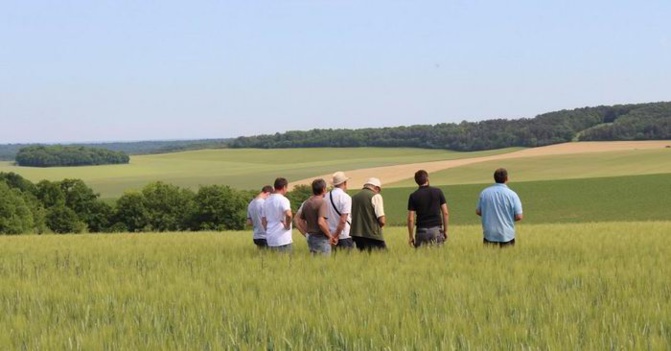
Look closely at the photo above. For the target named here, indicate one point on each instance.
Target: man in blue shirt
(499, 208)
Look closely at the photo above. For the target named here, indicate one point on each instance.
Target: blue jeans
(319, 244)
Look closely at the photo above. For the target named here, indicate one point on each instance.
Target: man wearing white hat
(368, 217)
(339, 205)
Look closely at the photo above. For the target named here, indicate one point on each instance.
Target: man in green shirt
(368, 217)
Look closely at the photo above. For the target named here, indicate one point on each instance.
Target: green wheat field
(590, 270)
(588, 286)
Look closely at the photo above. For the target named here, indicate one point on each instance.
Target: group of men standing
(335, 220)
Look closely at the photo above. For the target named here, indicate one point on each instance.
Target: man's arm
(378, 205)
(518, 209)
(446, 218)
(249, 215)
(341, 224)
(300, 223)
(411, 227)
(287, 219)
(381, 221)
(324, 227)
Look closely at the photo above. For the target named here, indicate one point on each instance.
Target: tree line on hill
(70, 206)
(8, 152)
(651, 121)
(59, 156)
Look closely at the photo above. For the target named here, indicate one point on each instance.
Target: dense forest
(70, 206)
(60, 156)
(651, 121)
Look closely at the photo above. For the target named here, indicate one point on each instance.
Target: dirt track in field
(392, 174)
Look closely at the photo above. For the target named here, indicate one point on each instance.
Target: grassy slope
(626, 198)
(570, 286)
(591, 165)
(243, 169)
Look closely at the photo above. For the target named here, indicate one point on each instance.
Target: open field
(555, 167)
(588, 272)
(587, 286)
(238, 168)
(251, 168)
(401, 175)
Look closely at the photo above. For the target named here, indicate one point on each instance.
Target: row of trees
(8, 152)
(70, 206)
(620, 122)
(60, 155)
(649, 121)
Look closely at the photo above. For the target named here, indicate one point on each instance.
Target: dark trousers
(429, 236)
(345, 244)
(261, 243)
(367, 244)
(486, 242)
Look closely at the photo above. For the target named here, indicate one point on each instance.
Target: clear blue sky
(117, 70)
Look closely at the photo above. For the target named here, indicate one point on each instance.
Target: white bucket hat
(374, 182)
(339, 178)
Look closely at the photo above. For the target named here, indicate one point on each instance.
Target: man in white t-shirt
(277, 218)
(339, 206)
(255, 214)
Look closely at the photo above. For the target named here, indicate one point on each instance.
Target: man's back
(255, 213)
(313, 209)
(274, 210)
(426, 202)
(498, 206)
(364, 219)
(338, 203)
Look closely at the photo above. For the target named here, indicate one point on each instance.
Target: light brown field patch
(392, 174)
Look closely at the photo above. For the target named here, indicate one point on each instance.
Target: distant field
(252, 168)
(592, 286)
(553, 167)
(239, 168)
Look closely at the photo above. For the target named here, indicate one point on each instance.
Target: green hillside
(556, 167)
(625, 198)
(241, 169)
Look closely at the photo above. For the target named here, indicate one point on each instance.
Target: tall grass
(574, 286)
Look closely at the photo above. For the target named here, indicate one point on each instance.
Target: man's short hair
(280, 183)
(318, 186)
(267, 189)
(500, 175)
(421, 177)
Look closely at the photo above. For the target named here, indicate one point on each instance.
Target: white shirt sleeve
(346, 205)
(378, 205)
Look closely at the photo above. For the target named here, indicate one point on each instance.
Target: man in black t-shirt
(427, 204)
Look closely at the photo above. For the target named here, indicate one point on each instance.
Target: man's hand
(334, 240)
(444, 234)
(411, 241)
